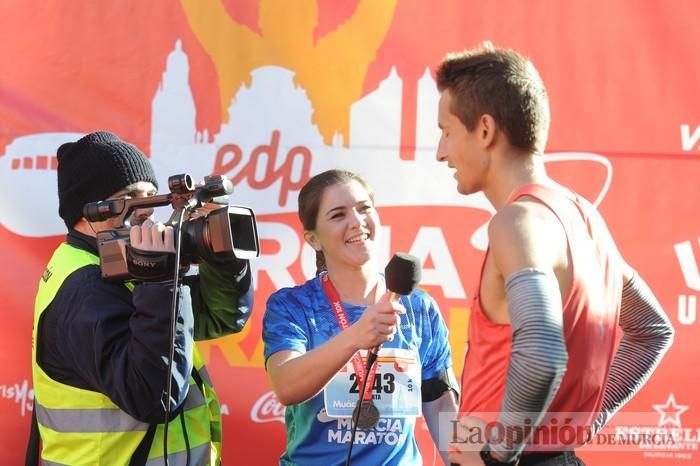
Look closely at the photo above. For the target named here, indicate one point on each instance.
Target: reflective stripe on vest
(101, 419)
(198, 456)
(81, 426)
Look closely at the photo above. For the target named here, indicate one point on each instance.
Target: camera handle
(183, 195)
(180, 212)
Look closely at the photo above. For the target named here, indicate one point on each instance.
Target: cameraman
(101, 348)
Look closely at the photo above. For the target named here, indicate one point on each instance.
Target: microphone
(402, 275)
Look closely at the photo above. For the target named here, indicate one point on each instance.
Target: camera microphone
(402, 275)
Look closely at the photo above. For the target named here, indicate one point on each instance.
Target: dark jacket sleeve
(222, 297)
(99, 336)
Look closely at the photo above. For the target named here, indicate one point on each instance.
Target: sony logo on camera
(229, 232)
(142, 263)
(149, 265)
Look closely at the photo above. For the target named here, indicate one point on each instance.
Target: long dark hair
(310, 200)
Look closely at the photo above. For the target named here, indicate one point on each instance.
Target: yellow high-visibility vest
(84, 427)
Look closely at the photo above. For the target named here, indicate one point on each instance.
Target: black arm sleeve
(432, 389)
(648, 334)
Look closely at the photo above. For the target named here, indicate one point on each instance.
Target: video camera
(225, 233)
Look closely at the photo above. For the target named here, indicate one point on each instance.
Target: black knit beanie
(95, 167)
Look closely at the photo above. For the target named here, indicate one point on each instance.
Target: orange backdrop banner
(270, 92)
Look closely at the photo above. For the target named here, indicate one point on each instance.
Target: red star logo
(670, 412)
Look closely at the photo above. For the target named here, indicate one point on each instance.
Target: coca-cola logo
(267, 409)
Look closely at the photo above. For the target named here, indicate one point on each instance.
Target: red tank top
(590, 317)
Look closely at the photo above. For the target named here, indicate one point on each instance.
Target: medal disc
(369, 414)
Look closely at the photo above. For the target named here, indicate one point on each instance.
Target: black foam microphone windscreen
(402, 273)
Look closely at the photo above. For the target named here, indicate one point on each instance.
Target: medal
(368, 416)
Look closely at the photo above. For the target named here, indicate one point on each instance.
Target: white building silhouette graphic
(271, 110)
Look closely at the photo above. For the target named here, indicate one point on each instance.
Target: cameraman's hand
(151, 236)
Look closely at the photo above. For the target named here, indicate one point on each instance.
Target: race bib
(395, 389)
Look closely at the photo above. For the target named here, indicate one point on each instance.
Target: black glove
(150, 266)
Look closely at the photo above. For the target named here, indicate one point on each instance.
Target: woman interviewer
(315, 333)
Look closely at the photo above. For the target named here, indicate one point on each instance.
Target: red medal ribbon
(343, 322)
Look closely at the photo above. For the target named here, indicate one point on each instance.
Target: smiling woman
(339, 205)
(323, 329)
